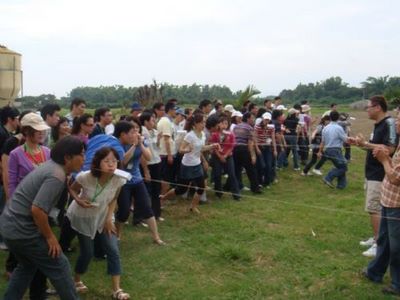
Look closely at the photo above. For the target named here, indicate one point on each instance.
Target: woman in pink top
(222, 159)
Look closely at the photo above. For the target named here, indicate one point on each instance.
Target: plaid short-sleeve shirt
(390, 193)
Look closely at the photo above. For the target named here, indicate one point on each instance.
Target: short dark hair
(67, 146)
(78, 121)
(380, 101)
(99, 156)
(49, 110)
(100, 112)
(260, 112)
(333, 104)
(76, 102)
(172, 100)
(297, 106)
(8, 112)
(122, 127)
(267, 100)
(246, 116)
(334, 116)
(277, 98)
(204, 103)
(169, 106)
(223, 118)
(158, 105)
(251, 106)
(145, 116)
(276, 114)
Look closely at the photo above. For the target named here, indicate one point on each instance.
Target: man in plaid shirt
(388, 252)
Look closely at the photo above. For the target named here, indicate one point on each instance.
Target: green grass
(259, 248)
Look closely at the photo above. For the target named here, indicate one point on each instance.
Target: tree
(375, 85)
(247, 94)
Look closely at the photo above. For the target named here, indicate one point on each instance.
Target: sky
(272, 45)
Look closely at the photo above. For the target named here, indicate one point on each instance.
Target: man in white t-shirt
(168, 150)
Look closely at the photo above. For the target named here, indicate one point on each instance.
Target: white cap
(237, 113)
(229, 107)
(267, 116)
(305, 108)
(258, 121)
(281, 107)
(293, 111)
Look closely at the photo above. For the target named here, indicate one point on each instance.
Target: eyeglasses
(111, 161)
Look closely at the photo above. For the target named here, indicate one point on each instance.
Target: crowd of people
(88, 173)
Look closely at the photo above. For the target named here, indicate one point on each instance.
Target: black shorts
(168, 172)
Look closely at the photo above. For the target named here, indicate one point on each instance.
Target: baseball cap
(281, 107)
(35, 121)
(267, 116)
(229, 107)
(237, 113)
(136, 107)
(181, 111)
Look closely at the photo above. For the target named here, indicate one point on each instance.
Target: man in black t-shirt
(384, 133)
(9, 124)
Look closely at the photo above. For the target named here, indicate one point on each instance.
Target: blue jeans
(32, 255)
(340, 167)
(269, 170)
(291, 142)
(388, 252)
(229, 167)
(110, 245)
(282, 161)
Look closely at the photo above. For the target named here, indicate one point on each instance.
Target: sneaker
(296, 169)
(161, 219)
(144, 224)
(328, 183)
(367, 243)
(245, 188)
(371, 252)
(317, 172)
(303, 174)
(3, 246)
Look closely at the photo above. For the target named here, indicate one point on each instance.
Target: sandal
(80, 287)
(120, 295)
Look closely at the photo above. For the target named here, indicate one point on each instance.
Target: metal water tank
(10, 75)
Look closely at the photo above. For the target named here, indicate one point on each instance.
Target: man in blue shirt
(333, 137)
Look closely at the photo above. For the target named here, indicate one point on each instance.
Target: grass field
(299, 240)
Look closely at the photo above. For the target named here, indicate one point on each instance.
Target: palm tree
(249, 92)
(375, 85)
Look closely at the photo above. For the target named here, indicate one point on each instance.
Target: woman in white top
(95, 193)
(152, 168)
(191, 170)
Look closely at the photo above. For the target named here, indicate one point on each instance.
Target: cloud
(272, 44)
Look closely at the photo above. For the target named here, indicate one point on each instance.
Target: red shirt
(226, 139)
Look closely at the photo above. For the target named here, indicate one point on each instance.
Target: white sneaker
(317, 172)
(367, 243)
(245, 188)
(3, 246)
(371, 252)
